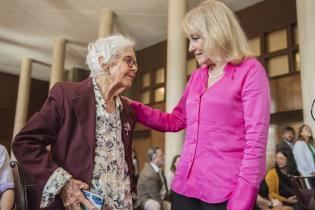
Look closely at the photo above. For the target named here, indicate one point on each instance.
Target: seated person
(265, 203)
(152, 187)
(278, 181)
(6, 181)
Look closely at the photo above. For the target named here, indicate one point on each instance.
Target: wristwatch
(270, 205)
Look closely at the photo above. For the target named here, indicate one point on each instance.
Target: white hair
(108, 48)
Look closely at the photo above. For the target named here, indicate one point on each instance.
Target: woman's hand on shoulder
(72, 195)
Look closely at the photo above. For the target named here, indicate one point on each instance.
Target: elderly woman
(89, 127)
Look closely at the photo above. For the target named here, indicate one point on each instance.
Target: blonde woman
(225, 111)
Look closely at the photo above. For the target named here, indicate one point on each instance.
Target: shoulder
(197, 75)
(70, 88)
(2, 150)
(299, 144)
(272, 171)
(271, 174)
(3, 153)
(283, 145)
(250, 66)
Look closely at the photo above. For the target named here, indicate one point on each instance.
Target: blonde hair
(225, 41)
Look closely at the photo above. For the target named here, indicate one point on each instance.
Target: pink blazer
(223, 157)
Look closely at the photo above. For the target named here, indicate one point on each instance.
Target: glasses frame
(130, 61)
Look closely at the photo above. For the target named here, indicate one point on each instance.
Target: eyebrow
(129, 56)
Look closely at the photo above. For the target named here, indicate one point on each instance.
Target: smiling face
(196, 46)
(123, 69)
(281, 160)
(288, 135)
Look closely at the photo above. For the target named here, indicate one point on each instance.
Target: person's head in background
(156, 156)
(305, 134)
(288, 134)
(285, 162)
(215, 35)
(175, 161)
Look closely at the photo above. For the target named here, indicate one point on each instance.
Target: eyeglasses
(130, 61)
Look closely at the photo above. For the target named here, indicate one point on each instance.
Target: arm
(29, 148)
(271, 180)
(6, 181)
(262, 202)
(166, 122)
(256, 106)
(29, 145)
(301, 160)
(7, 200)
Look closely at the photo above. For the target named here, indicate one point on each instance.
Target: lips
(132, 77)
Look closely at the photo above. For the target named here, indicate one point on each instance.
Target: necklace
(215, 76)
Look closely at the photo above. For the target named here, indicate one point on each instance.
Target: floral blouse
(110, 173)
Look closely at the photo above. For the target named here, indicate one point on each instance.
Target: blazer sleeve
(165, 122)
(256, 108)
(29, 145)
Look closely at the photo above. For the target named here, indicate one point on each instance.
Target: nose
(191, 47)
(134, 67)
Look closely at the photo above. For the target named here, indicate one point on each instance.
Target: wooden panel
(286, 93)
(9, 85)
(286, 117)
(141, 147)
(267, 16)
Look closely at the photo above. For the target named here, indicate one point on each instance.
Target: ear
(104, 66)
(101, 61)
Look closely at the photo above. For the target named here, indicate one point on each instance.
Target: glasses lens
(129, 60)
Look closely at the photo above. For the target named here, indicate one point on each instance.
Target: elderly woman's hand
(72, 196)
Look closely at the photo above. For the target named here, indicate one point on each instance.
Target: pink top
(224, 152)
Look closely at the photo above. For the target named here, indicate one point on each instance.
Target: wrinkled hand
(72, 196)
(291, 200)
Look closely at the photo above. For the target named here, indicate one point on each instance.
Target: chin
(128, 85)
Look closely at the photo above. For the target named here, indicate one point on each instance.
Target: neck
(108, 90)
(307, 139)
(284, 171)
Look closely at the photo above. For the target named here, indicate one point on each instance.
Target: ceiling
(29, 28)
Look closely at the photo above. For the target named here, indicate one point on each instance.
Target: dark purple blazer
(67, 122)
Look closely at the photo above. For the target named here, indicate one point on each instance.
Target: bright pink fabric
(223, 156)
